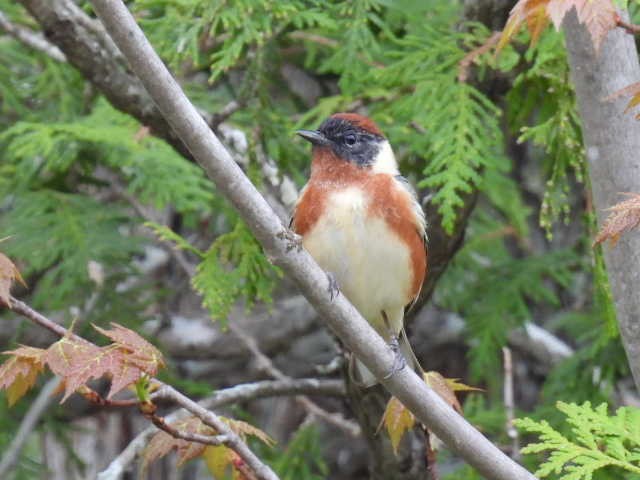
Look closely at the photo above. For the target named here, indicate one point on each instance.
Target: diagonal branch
(338, 313)
(38, 407)
(232, 440)
(310, 406)
(236, 394)
(31, 39)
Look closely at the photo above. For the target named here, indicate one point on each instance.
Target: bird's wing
(420, 220)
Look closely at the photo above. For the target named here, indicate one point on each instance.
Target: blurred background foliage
(511, 132)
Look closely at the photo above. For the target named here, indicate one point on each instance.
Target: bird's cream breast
(369, 261)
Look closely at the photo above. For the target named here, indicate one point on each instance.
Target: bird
(362, 223)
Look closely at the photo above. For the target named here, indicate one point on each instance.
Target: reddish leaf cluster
(624, 217)
(598, 17)
(8, 275)
(19, 373)
(77, 361)
(632, 90)
(162, 443)
(219, 459)
(397, 419)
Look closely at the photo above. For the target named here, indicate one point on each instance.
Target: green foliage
(38, 154)
(239, 26)
(302, 460)
(596, 441)
(234, 267)
(549, 104)
(494, 291)
(165, 234)
(60, 233)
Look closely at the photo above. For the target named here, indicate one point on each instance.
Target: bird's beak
(314, 136)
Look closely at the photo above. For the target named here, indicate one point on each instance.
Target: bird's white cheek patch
(385, 161)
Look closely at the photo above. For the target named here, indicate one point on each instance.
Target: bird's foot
(398, 359)
(333, 288)
(294, 241)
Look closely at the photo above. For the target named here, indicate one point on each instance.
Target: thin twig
(229, 109)
(265, 364)
(239, 393)
(233, 441)
(180, 258)
(165, 426)
(629, 27)
(31, 39)
(509, 404)
(94, 397)
(29, 422)
(465, 64)
(26, 311)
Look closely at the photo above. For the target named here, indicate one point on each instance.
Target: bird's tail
(362, 376)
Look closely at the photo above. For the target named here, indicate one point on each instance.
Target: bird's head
(353, 138)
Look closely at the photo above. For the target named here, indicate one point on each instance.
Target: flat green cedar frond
(549, 119)
(166, 234)
(597, 440)
(303, 458)
(494, 291)
(59, 234)
(181, 29)
(234, 267)
(154, 171)
(462, 135)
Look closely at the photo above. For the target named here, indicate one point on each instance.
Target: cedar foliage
(527, 255)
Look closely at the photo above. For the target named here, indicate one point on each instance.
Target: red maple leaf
(19, 373)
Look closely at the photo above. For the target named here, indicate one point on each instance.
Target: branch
(509, 403)
(29, 422)
(236, 394)
(89, 49)
(165, 391)
(465, 64)
(629, 27)
(31, 39)
(338, 313)
(267, 366)
(163, 425)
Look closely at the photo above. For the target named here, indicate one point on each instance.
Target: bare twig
(229, 109)
(31, 39)
(338, 313)
(165, 391)
(238, 393)
(629, 27)
(509, 404)
(165, 426)
(469, 58)
(26, 311)
(180, 258)
(233, 441)
(29, 422)
(265, 364)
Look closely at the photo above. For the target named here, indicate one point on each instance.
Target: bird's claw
(399, 361)
(294, 241)
(333, 288)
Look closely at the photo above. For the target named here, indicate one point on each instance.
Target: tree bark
(612, 141)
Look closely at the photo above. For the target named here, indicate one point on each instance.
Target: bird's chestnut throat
(327, 166)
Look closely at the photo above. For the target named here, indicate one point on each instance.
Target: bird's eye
(350, 140)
